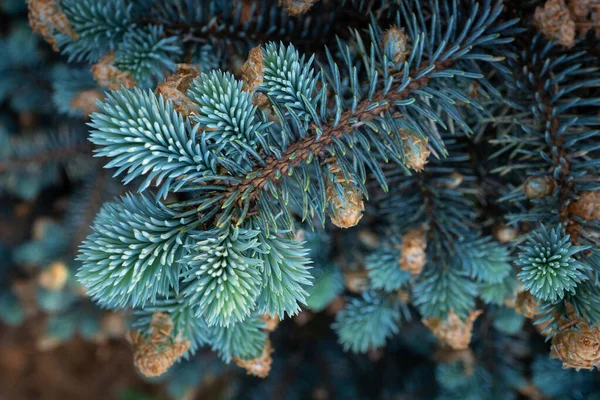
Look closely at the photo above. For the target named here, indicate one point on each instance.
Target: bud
(271, 322)
(525, 304)
(109, 76)
(252, 75)
(415, 150)
(54, 277)
(46, 18)
(296, 7)
(86, 101)
(586, 14)
(357, 281)
(175, 87)
(113, 324)
(395, 45)
(577, 347)
(555, 22)
(260, 366)
(587, 206)
(538, 187)
(155, 355)
(345, 211)
(505, 234)
(412, 251)
(452, 181)
(453, 331)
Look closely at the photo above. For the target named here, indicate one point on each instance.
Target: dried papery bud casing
(577, 347)
(356, 281)
(253, 74)
(109, 76)
(296, 7)
(175, 87)
(252, 70)
(260, 366)
(345, 211)
(505, 234)
(586, 14)
(526, 305)
(271, 322)
(416, 153)
(54, 278)
(555, 22)
(46, 17)
(412, 251)
(396, 45)
(587, 206)
(155, 355)
(453, 331)
(86, 101)
(538, 187)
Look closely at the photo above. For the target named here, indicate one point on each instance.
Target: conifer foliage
(435, 165)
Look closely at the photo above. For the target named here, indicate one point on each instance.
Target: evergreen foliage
(456, 145)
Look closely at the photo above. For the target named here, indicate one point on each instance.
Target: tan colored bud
(155, 355)
(345, 212)
(577, 348)
(54, 278)
(296, 7)
(454, 180)
(175, 87)
(538, 187)
(395, 44)
(412, 251)
(368, 238)
(40, 226)
(86, 101)
(253, 75)
(587, 206)
(259, 366)
(586, 14)
(416, 152)
(109, 76)
(576, 344)
(46, 18)
(526, 305)
(357, 281)
(252, 70)
(453, 331)
(505, 234)
(113, 325)
(271, 322)
(556, 22)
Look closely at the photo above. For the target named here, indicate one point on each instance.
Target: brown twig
(299, 151)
